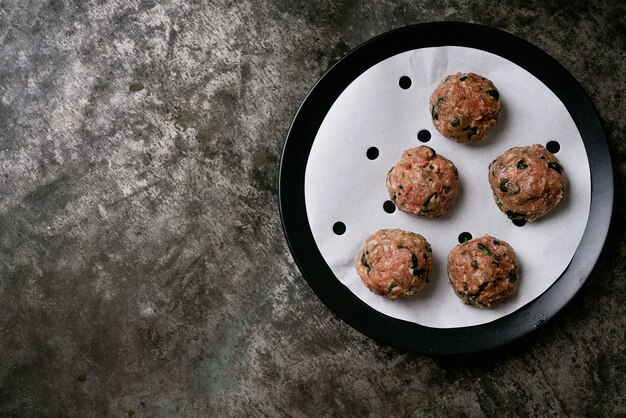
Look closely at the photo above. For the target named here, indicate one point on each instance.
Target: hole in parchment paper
(389, 207)
(339, 228)
(405, 82)
(372, 153)
(423, 135)
(519, 222)
(464, 236)
(553, 147)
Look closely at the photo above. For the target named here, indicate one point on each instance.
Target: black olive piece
(427, 201)
(418, 272)
(504, 185)
(494, 94)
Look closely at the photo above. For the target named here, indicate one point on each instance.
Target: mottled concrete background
(143, 269)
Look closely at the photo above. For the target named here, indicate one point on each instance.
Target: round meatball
(527, 182)
(482, 271)
(464, 107)
(395, 263)
(423, 183)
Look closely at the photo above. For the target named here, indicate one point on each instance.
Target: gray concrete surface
(143, 269)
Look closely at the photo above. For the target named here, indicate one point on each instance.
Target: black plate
(407, 335)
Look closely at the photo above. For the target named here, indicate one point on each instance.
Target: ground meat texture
(527, 182)
(423, 183)
(395, 263)
(464, 107)
(482, 271)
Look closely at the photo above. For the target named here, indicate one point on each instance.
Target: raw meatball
(464, 107)
(482, 271)
(527, 182)
(423, 183)
(395, 263)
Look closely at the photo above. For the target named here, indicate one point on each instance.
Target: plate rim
(407, 335)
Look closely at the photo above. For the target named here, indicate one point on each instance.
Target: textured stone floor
(143, 269)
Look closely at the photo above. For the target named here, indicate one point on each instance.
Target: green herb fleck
(433, 113)
(393, 285)
(440, 101)
(393, 197)
(556, 167)
(521, 165)
(463, 78)
(484, 249)
(135, 87)
(475, 264)
(364, 262)
(513, 276)
(469, 297)
(455, 122)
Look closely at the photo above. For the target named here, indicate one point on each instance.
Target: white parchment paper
(342, 184)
